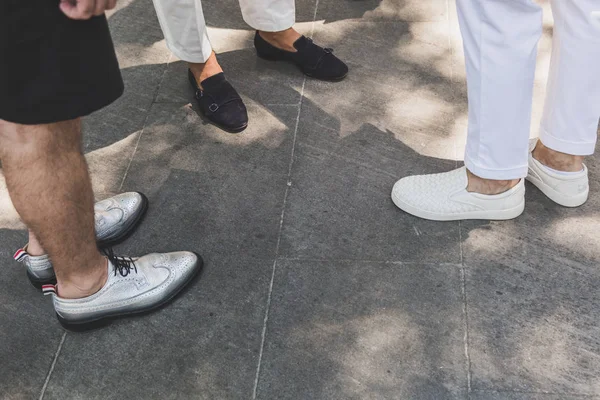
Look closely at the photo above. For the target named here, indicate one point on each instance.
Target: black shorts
(53, 68)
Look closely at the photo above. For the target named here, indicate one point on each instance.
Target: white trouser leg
(500, 40)
(269, 15)
(182, 23)
(572, 109)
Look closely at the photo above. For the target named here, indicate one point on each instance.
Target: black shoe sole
(336, 79)
(129, 231)
(37, 283)
(84, 326)
(221, 127)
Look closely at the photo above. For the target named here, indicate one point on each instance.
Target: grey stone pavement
(315, 285)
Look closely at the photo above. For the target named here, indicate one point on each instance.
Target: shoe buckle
(213, 107)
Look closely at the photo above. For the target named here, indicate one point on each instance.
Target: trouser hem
(272, 26)
(496, 174)
(577, 149)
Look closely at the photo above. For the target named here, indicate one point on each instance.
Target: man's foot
(202, 71)
(116, 218)
(561, 177)
(444, 197)
(313, 60)
(489, 186)
(555, 159)
(220, 102)
(283, 40)
(134, 285)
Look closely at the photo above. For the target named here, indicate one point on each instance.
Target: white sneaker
(444, 197)
(567, 190)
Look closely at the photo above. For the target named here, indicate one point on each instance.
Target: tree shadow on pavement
(531, 283)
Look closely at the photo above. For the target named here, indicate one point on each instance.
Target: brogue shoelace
(122, 265)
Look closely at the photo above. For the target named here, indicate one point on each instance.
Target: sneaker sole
(95, 323)
(130, 229)
(496, 215)
(557, 197)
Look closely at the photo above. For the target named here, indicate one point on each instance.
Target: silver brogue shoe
(115, 219)
(39, 268)
(134, 285)
(117, 216)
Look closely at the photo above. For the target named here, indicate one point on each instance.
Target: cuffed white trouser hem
(268, 25)
(184, 28)
(575, 149)
(199, 57)
(496, 174)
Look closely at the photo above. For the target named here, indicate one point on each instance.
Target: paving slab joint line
(463, 285)
(360, 260)
(580, 395)
(281, 219)
(466, 329)
(56, 355)
(137, 143)
(277, 246)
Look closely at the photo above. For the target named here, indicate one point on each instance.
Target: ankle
(489, 186)
(283, 40)
(80, 286)
(207, 69)
(557, 160)
(34, 249)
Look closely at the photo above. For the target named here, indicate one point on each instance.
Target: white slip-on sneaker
(444, 197)
(134, 285)
(570, 190)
